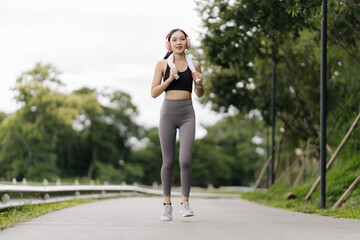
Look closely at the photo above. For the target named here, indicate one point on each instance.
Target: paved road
(139, 218)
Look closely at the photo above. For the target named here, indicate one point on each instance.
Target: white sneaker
(186, 210)
(167, 213)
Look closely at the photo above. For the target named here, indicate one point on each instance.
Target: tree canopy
(242, 39)
(55, 134)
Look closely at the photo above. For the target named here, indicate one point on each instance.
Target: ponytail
(167, 55)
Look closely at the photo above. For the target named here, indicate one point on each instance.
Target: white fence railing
(18, 195)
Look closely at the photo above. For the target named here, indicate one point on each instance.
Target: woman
(176, 113)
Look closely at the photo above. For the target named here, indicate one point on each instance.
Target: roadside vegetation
(338, 180)
(9, 217)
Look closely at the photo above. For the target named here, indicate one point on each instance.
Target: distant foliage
(241, 41)
(54, 134)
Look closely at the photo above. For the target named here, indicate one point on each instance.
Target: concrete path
(220, 219)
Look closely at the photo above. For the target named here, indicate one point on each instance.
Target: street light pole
(273, 104)
(323, 104)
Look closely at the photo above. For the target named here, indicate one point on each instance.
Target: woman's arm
(199, 88)
(157, 87)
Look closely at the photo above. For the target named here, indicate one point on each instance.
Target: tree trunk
(302, 170)
(262, 173)
(93, 160)
(278, 149)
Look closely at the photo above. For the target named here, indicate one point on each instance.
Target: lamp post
(323, 104)
(273, 103)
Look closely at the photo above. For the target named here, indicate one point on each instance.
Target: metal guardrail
(17, 195)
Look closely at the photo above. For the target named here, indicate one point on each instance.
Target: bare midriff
(177, 95)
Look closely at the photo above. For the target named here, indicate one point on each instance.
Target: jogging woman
(177, 80)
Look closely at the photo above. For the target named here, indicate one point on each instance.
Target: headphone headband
(174, 30)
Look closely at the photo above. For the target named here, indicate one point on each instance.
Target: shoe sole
(188, 215)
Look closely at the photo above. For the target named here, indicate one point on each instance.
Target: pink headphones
(167, 42)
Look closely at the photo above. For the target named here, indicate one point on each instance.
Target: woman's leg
(167, 134)
(186, 137)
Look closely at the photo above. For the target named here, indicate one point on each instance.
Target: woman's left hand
(196, 75)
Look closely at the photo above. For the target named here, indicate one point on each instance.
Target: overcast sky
(98, 44)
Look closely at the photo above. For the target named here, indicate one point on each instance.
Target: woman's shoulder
(161, 65)
(195, 62)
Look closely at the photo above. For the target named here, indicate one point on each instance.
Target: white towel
(170, 61)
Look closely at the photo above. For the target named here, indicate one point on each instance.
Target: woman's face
(178, 42)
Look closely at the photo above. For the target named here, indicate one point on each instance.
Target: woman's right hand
(173, 71)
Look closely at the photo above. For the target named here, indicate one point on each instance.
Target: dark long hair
(169, 37)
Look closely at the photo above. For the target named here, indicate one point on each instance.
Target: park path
(220, 219)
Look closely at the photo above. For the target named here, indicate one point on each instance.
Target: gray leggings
(176, 114)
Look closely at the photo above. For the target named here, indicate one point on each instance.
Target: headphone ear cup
(188, 43)
(168, 46)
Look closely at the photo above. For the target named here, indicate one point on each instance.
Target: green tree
(105, 131)
(148, 158)
(30, 135)
(72, 149)
(241, 39)
(2, 116)
(343, 54)
(65, 135)
(237, 34)
(343, 22)
(231, 153)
